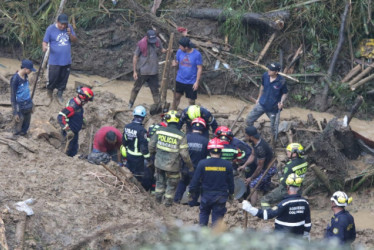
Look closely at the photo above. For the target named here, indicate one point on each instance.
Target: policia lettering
(169, 141)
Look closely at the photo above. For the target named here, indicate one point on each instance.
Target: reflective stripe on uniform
(183, 146)
(172, 150)
(292, 201)
(265, 215)
(173, 175)
(169, 196)
(290, 224)
(159, 190)
(305, 164)
(161, 132)
(308, 225)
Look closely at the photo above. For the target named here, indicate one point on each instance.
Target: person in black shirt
(264, 154)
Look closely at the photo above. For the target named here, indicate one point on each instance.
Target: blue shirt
(272, 92)
(216, 176)
(59, 44)
(197, 147)
(20, 92)
(187, 71)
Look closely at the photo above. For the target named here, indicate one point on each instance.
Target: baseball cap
(28, 65)
(252, 131)
(63, 18)
(152, 38)
(274, 66)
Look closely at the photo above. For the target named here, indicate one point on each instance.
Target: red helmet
(85, 94)
(199, 120)
(215, 143)
(224, 131)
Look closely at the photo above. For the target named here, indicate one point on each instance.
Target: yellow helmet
(172, 116)
(193, 112)
(123, 151)
(295, 148)
(294, 180)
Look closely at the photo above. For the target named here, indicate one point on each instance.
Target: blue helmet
(139, 111)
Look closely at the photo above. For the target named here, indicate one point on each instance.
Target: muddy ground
(78, 205)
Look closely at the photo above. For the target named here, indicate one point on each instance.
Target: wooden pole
(20, 232)
(361, 75)
(352, 73)
(362, 82)
(267, 46)
(254, 189)
(237, 118)
(3, 241)
(166, 69)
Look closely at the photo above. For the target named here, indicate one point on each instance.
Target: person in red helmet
(229, 152)
(217, 183)
(71, 119)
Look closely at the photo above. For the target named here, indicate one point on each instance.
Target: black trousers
(58, 77)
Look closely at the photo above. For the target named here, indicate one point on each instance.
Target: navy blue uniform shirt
(216, 177)
(135, 138)
(342, 227)
(197, 147)
(205, 114)
(272, 92)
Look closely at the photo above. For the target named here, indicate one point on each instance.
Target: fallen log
(4, 79)
(20, 232)
(352, 73)
(296, 57)
(247, 18)
(322, 177)
(361, 75)
(362, 82)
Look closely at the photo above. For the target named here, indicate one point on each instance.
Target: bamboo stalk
(266, 48)
(352, 73)
(237, 118)
(361, 75)
(362, 82)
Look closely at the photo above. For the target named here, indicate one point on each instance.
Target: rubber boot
(50, 96)
(156, 98)
(168, 202)
(158, 198)
(60, 99)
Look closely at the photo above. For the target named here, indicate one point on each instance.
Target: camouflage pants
(166, 184)
(275, 196)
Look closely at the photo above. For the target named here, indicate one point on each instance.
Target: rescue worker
(296, 164)
(135, 141)
(263, 154)
(245, 152)
(217, 183)
(108, 140)
(342, 225)
(229, 152)
(170, 145)
(197, 148)
(292, 213)
(195, 111)
(71, 119)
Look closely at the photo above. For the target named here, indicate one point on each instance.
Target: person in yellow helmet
(296, 164)
(169, 145)
(292, 213)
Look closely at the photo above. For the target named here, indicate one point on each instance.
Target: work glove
(246, 205)
(69, 134)
(306, 236)
(16, 118)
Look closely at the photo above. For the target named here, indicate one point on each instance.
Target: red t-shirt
(101, 144)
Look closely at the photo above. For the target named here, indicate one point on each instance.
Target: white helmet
(341, 199)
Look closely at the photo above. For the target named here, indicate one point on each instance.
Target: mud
(78, 204)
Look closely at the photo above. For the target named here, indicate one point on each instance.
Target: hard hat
(222, 131)
(341, 199)
(172, 116)
(199, 122)
(295, 148)
(215, 145)
(85, 94)
(139, 111)
(294, 180)
(193, 112)
(123, 151)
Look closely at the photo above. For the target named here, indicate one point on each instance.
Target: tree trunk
(255, 19)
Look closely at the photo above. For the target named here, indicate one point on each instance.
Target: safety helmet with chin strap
(139, 111)
(172, 116)
(193, 112)
(296, 148)
(85, 94)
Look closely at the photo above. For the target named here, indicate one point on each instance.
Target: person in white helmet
(342, 225)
